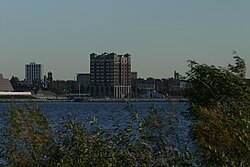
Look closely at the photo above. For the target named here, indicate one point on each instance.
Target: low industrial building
(6, 88)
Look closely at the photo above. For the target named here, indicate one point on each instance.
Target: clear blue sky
(161, 35)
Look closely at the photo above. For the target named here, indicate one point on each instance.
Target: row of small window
(92, 64)
(104, 73)
(110, 64)
(98, 67)
(104, 77)
(111, 59)
(124, 68)
(107, 69)
(33, 71)
(106, 63)
(34, 74)
(104, 70)
(109, 75)
(101, 81)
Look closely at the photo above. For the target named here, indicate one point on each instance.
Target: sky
(161, 35)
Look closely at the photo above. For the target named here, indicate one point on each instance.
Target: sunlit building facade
(110, 75)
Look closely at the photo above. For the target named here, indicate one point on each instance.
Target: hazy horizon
(160, 35)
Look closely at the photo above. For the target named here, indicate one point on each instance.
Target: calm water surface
(106, 113)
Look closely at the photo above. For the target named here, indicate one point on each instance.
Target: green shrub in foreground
(221, 111)
(30, 141)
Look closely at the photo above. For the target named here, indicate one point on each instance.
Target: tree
(28, 139)
(14, 81)
(220, 107)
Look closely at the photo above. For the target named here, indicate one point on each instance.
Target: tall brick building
(110, 75)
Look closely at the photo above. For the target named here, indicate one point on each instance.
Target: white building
(33, 72)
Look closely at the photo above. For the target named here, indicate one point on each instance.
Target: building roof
(108, 55)
(5, 85)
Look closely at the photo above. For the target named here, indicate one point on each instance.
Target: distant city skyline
(159, 35)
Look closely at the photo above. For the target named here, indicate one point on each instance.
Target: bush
(221, 110)
(30, 141)
(27, 138)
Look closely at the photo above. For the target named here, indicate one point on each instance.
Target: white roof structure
(5, 85)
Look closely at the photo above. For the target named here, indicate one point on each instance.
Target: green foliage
(221, 109)
(14, 82)
(212, 85)
(28, 138)
(160, 131)
(153, 141)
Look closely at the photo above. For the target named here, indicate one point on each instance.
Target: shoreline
(94, 100)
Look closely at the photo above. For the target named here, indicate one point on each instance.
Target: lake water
(108, 113)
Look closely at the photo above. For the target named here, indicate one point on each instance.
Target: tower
(110, 75)
(33, 72)
(50, 76)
